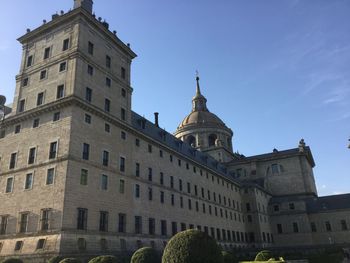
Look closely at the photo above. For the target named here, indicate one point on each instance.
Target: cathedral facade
(81, 172)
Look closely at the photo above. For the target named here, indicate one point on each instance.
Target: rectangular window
(60, 91)
(103, 221)
(137, 142)
(180, 184)
(86, 151)
(50, 176)
(183, 226)
(137, 170)
(123, 114)
(105, 158)
(90, 48)
(123, 135)
(279, 229)
(108, 82)
(17, 129)
(107, 105)
(122, 164)
(150, 174)
(82, 218)
(53, 150)
(149, 148)
(43, 74)
(171, 181)
(18, 245)
(107, 128)
(123, 72)
(65, 44)
(108, 61)
(137, 190)
(29, 61)
(160, 153)
(150, 194)
(189, 204)
(41, 243)
(313, 227)
(23, 222)
(9, 185)
(188, 188)
(121, 186)
(161, 178)
(21, 105)
(295, 227)
(87, 118)
(173, 228)
(25, 82)
(163, 227)
(291, 206)
(13, 159)
(47, 53)
(56, 116)
(123, 92)
(344, 225)
(138, 225)
(3, 224)
(151, 226)
(29, 181)
(104, 182)
(122, 223)
(63, 66)
(172, 199)
(90, 70)
(328, 226)
(40, 99)
(88, 94)
(44, 219)
(84, 177)
(162, 197)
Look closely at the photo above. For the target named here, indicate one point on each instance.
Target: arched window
(212, 138)
(191, 140)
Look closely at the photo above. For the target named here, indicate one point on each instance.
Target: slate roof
(325, 203)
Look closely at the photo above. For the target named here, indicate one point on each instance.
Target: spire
(199, 102)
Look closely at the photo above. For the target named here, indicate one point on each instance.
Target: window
(151, 226)
(122, 244)
(107, 128)
(123, 72)
(313, 227)
(104, 182)
(343, 224)
(21, 105)
(88, 94)
(291, 206)
(108, 82)
(90, 48)
(123, 135)
(160, 153)
(188, 187)
(150, 174)
(63, 66)
(121, 186)
(3, 224)
(172, 199)
(103, 221)
(17, 129)
(90, 70)
(50, 176)
(276, 208)
(107, 105)
(138, 225)
(150, 194)
(328, 226)
(162, 197)
(122, 164)
(123, 114)
(104, 244)
(181, 202)
(84, 176)
(60, 92)
(81, 243)
(274, 168)
(18, 245)
(248, 207)
(137, 142)
(171, 181)
(25, 82)
(170, 158)
(43, 74)
(105, 158)
(163, 227)
(40, 99)
(44, 219)
(173, 228)
(41, 243)
(87, 118)
(53, 150)
(23, 222)
(65, 44)
(122, 223)
(13, 159)
(189, 204)
(123, 91)
(279, 229)
(149, 148)
(180, 184)
(56, 116)
(183, 226)
(82, 218)
(137, 169)
(179, 162)
(86, 151)
(108, 61)
(30, 61)
(47, 53)
(295, 227)
(29, 181)
(161, 178)
(9, 185)
(137, 190)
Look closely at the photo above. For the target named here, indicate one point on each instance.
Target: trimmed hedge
(12, 260)
(145, 255)
(229, 257)
(55, 259)
(105, 259)
(192, 246)
(264, 255)
(70, 260)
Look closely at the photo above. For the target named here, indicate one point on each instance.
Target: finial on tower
(198, 90)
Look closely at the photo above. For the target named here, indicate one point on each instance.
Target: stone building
(80, 172)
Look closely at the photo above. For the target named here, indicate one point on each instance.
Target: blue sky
(275, 71)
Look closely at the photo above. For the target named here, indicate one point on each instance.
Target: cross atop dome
(199, 102)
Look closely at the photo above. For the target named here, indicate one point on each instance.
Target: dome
(204, 118)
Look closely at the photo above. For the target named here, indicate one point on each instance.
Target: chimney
(156, 114)
(86, 4)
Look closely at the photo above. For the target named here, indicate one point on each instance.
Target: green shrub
(192, 246)
(12, 260)
(70, 260)
(229, 257)
(264, 255)
(105, 259)
(55, 259)
(145, 255)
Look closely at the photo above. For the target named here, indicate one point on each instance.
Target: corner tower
(205, 131)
